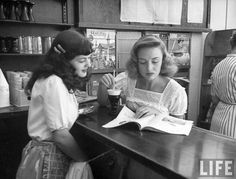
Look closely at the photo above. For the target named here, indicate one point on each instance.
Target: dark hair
(168, 68)
(74, 44)
(233, 40)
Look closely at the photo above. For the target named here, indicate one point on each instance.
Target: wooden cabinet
(216, 48)
(106, 14)
(50, 17)
(13, 138)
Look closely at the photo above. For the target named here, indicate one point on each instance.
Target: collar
(231, 55)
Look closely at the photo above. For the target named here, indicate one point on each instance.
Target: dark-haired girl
(53, 108)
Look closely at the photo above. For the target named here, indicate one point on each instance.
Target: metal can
(47, 42)
(34, 45)
(20, 44)
(27, 41)
(39, 45)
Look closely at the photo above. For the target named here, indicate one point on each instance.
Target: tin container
(27, 44)
(34, 45)
(39, 45)
(47, 42)
(20, 44)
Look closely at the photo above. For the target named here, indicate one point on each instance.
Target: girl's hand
(58, 49)
(108, 80)
(146, 111)
(132, 105)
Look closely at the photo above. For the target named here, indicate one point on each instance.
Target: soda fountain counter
(163, 155)
(157, 154)
(13, 138)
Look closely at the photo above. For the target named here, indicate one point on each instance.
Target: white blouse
(52, 107)
(172, 100)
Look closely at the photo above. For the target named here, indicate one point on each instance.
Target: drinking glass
(114, 98)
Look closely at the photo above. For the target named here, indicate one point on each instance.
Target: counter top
(13, 111)
(173, 156)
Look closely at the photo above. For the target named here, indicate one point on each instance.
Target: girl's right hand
(108, 80)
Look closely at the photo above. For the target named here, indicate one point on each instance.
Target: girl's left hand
(146, 111)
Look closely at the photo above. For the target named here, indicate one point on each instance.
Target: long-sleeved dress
(224, 87)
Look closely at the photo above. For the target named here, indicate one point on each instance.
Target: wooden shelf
(20, 54)
(101, 71)
(35, 23)
(13, 111)
(154, 27)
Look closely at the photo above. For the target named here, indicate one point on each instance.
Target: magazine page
(170, 125)
(158, 123)
(179, 48)
(103, 41)
(125, 116)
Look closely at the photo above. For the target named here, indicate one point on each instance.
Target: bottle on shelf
(2, 13)
(12, 9)
(24, 11)
(3, 48)
(30, 11)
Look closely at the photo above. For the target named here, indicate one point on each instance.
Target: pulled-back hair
(168, 68)
(233, 40)
(54, 63)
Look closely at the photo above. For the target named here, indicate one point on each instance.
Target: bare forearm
(215, 100)
(179, 116)
(102, 95)
(66, 142)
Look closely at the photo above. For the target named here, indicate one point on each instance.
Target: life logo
(216, 167)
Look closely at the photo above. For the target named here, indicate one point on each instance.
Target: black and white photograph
(117, 89)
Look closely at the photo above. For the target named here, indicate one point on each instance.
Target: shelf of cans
(25, 44)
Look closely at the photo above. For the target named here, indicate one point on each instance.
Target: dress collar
(231, 55)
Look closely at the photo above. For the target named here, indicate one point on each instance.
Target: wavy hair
(59, 64)
(168, 67)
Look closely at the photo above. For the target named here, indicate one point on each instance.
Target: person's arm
(179, 116)
(66, 142)
(58, 115)
(178, 103)
(102, 95)
(106, 82)
(215, 100)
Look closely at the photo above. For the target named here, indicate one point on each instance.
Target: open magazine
(158, 123)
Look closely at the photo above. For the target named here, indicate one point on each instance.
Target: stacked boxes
(17, 82)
